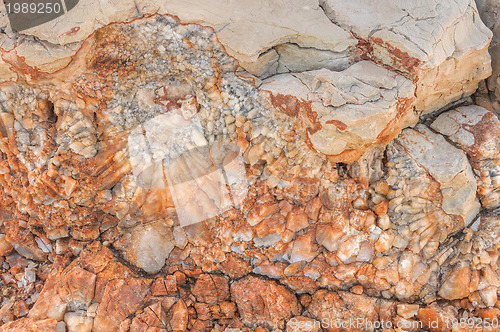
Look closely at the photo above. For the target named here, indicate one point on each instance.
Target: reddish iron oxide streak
(286, 103)
(401, 61)
(18, 64)
(400, 58)
(394, 126)
(339, 124)
(70, 32)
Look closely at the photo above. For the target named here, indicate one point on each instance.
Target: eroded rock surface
(441, 45)
(174, 177)
(477, 132)
(358, 108)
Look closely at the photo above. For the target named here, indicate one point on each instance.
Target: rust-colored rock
(262, 302)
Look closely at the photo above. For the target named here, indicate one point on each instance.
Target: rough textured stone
(448, 165)
(148, 246)
(247, 168)
(488, 10)
(121, 298)
(477, 132)
(357, 108)
(263, 302)
(30, 325)
(442, 45)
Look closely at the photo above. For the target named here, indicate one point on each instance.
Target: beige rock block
(442, 45)
(358, 108)
(446, 164)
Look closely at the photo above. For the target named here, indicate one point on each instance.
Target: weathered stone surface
(144, 182)
(270, 24)
(121, 298)
(283, 40)
(147, 246)
(476, 131)
(343, 307)
(30, 325)
(441, 45)
(263, 302)
(488, 10)
(211, 289)
(473, 272)
(448, 165)
(358, 108)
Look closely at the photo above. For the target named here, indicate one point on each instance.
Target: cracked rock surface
(257, 166)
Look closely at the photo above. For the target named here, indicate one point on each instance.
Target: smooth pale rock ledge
(442, 46)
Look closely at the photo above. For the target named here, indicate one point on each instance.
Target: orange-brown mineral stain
(339, 124)
(394, 126)
(400, 59)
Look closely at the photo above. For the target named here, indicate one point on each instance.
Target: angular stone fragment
(357, 109)
(473, 272)
(332, 308)
(121, 298)
(264, 302)
(456, 284)
(441, 45)
(211, 289)
(72, 288)
(30, 325)
(476, 131)
(78, 322)
(448, 165)
(153, 317)
(148, 246)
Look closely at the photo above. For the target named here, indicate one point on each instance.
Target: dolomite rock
(472, 272)
(337, 307)
(442, 46)
(30, 325)
(358, 108)
(107, 159)
(283, 40)
(258, 307)
(448, 165)
(270, 24)
(488, 10)
(211, 289)
(147, 246)
(476, 131)
(121, 298)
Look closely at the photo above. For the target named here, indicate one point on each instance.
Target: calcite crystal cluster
(251, 166)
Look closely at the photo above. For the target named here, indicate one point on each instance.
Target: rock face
(147, 246)
(446, 164)
(477, 132)
(438, 44)
(488, 10)
(258, 307)
(192, 166)
(357, 108)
